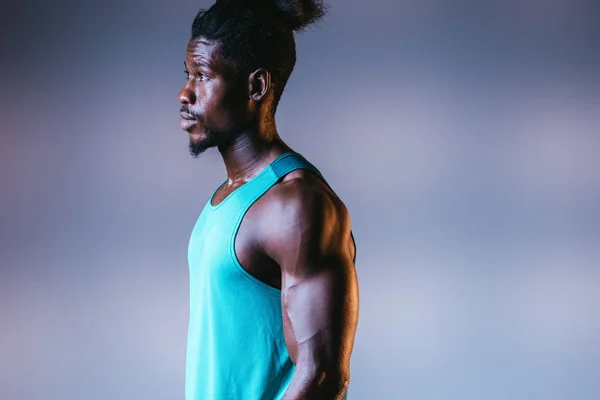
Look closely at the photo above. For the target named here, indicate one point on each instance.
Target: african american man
(273, 286)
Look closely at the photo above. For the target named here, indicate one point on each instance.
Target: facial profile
(213, 101)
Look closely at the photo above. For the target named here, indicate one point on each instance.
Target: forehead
(203, 52)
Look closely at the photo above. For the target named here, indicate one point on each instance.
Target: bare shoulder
(304, 197)
(302, 217)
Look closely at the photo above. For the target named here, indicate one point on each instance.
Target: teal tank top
(236, 348)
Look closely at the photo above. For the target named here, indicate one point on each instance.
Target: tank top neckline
(255, 177)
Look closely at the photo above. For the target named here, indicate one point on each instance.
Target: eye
(202, 76)
(187, 74)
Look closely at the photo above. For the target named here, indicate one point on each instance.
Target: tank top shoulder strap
(291, 161)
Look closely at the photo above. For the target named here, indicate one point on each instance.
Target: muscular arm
(319, 289)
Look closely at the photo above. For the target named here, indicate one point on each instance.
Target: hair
(258, 34)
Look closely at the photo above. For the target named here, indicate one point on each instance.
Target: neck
(251, 152)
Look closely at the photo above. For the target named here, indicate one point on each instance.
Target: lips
(185, 115)
(187, 121)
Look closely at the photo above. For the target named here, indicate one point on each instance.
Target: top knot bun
(295, 14)
(298, 14)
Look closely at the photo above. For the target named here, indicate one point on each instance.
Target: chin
(197, 136)
(200, 142)
(197, 148)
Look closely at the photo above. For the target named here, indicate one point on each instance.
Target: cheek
(226, 109)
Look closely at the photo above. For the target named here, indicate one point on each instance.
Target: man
(273, 289)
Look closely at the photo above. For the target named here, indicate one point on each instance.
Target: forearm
(307, 385)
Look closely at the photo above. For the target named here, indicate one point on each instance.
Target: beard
(212, 138)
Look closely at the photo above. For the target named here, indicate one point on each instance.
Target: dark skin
(296, 237)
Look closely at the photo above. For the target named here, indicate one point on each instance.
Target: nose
(186, 95)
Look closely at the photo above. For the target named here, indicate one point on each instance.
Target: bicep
(322, 309)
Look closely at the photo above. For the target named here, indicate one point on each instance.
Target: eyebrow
(197, 64)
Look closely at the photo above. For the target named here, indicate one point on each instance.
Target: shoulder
(302, 214)
(303, 198)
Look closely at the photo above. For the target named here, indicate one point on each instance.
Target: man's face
(215, 99)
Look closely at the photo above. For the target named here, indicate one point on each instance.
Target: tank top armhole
(268, 288)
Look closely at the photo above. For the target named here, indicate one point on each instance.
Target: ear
(259, 83)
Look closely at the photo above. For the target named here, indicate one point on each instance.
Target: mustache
(184, 109)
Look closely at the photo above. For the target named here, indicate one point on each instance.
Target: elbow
(328, 383)
(336, 380)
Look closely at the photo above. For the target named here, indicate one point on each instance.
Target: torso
(253, 225)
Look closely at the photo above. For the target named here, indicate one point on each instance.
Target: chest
(225, 237)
